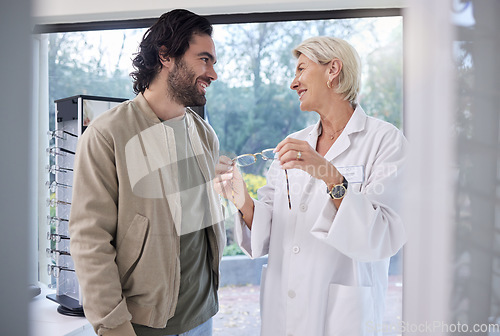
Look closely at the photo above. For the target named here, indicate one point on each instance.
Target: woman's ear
(334, 68)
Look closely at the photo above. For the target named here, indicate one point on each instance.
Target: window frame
(224, 19)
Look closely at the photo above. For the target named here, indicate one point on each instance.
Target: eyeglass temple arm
(66, 150)
(69, 133)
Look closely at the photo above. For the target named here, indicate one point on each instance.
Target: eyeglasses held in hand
(59, 151)
(56, 237)
(54, 169)
(245, 160)
(52, 220)
(55, 271)
(60, 134)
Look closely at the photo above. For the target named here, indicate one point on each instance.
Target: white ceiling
(70, 11)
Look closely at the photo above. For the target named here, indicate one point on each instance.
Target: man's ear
(164, 58)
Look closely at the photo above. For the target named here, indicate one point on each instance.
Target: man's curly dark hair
(173, 30)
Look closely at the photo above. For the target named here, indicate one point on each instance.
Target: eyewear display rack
(72, 116)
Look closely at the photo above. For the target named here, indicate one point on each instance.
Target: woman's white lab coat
(327, 270)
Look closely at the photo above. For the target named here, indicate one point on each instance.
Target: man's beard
(183, 88)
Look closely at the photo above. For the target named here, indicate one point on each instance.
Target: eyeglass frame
(55, 237)
(55, 168)
(51, 202)
(55, 254)
(235, 160)
(55, 134)
(265, 158)
(55, 151)
(53, 186)
(51, 270)
(55, 220)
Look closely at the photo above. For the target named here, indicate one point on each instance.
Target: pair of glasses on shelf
(53, 186)
(56, 237)
(59, 151)
(53, 202)
(245, 160)
(53, 220)
(55, 270)
(60, 134)
(58, 169)
(55, 254)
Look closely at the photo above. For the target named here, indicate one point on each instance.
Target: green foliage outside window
(250, 106)
(232, 250)
(254, 182)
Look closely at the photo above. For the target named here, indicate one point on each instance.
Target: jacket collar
(356, 124)
(145, 109)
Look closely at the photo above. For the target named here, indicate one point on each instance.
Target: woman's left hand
(298, 154)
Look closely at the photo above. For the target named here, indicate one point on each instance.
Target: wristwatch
(338, 191)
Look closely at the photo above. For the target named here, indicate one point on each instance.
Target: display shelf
(73, 115)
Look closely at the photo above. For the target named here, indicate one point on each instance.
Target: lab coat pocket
(129, 251)
(356, 187)
(349, 311)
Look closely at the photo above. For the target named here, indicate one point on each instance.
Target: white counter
(46, 321)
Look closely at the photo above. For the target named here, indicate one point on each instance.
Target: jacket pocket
(350, 311)
(130, 249)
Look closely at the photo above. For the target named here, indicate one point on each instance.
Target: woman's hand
(298, 154)
(229, 183)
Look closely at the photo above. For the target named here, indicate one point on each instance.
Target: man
(146, 229)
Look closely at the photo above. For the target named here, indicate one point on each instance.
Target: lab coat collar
(355, 124)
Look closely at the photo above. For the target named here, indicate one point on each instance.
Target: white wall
(15, 143)
(67, 11)
(429, 114)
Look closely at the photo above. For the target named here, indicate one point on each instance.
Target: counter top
(46, 321)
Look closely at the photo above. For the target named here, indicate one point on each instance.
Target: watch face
(338, 191)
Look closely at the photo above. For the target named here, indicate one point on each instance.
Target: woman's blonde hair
(324, 49)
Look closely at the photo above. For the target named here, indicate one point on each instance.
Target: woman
(329, 251)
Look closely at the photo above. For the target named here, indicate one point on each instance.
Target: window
(91, 63)
(250, 106)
